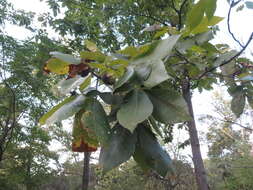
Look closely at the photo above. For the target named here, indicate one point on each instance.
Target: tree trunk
(194, 140)
(86, 171)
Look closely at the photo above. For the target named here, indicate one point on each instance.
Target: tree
(24, 153)
(191, 61)
(229, 148)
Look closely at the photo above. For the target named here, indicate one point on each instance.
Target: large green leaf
(238, 103)
(64, 110)
(120, 148)
(210, 8)
(137, 108)
(66, 57)
(199, 39)
(65, 86)
(162, 49)
(205, 24)
(149, 154)
(196, 14)
(95, 119)
(152, 72)
(169, 106)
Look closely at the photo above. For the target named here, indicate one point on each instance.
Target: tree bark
(86, 171)
(194, 140)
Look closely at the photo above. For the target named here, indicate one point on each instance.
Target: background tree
(230, 160)
(24, 147)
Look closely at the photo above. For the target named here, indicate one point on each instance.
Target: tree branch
(233, 3)
(229, 60)
(238, 124)
(179, 12)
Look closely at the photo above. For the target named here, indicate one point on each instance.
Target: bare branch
(233, 3)
(235, 123)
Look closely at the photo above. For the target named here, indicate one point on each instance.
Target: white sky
(241, 25)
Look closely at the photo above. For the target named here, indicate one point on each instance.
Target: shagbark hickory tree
(148, 85)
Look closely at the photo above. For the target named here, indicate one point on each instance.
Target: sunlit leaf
(85, 83)
(65, 86)
(149, 154)
(129, 51)
(205, 23)
(57, 66)
(120, 148)
(196, 14)
(91, 46)
(210, 8)
(161, 50)
(64, 110)
(137, 108)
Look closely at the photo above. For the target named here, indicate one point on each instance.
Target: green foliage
(149, 154)
(137, 109)
(94, 118)
(120, 148)
(169, 106)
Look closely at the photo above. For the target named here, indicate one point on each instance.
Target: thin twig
(238, 124)
(228, 23)
(179, 12)
(180, 15)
